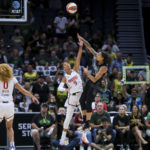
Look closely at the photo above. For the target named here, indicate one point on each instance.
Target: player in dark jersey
(92, 85)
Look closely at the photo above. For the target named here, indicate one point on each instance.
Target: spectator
(28, 87)
(18, 41)
(71, 43)
(35, 107)
(73, 26)
(137, 123)
(43, 42)
(50, 85)
(34, 42)
(26, 59)
(97, 100)
(24, 105)
(105, 135)
(122, 125)
(147, 98)
(29, 76)
(96, 117)
(41, 59)
(42, 89)
(3, 58)
(78, 120)
(118, 63)
(43, 125)
(118, 101)
(53, 61)
(129, 61)
(106, 95)
(111, 54)
(117, 85)
(144, 110)
(60, 24)
(148, 125)
(62, 111)
(133, 99)
(15, 59)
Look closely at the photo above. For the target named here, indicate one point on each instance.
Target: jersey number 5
(5, 85)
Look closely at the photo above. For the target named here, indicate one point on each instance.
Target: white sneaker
(84, 138)
(12, 147)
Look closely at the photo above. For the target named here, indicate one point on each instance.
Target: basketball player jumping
(98, 72)
(74, 83)
(7, 84)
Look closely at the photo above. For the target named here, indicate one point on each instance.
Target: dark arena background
(37, 36)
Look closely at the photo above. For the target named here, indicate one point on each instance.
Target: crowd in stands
(36, 56)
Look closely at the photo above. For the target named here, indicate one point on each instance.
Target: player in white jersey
(7, 84)
(74, 83)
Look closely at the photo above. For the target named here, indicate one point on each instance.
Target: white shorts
(73, 100)
(6, 111)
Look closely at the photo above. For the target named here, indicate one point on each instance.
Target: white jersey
(6, 90)
(74, 82)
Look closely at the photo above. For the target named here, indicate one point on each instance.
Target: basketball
(71, 8)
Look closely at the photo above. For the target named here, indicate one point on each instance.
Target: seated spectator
(26, 59)
(61, 110)
(28, 87)
(111, 54)
(122, 125)
(148, 125)
(15, 59)
(137, 124)
(18, 41)
(118, 63)
(3, 58)
(53, 60)
(133, 99)
(50, 85)
(43, 125)
(105, 135)
(71, 43)
(144, 110)
(24, 105)
(60, 24)
(97, 100)
(43, 42)
(118, 101)
(96, 117)
(129, 61)
(78, 120)
(117, 85)
(106, 95)
(41, 59)
(29, 76)
(42, 89)
(35, 107)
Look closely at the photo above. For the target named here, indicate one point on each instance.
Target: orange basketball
(71, 8)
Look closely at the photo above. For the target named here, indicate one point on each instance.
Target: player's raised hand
(85, 69)
(80, 43)
(35, 100)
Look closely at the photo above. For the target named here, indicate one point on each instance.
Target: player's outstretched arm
(77, 64)
(98, 75)
(88, 45)
(25, 92)
(61, 85)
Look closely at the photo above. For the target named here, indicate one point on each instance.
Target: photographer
(105, 135)
(43, 126)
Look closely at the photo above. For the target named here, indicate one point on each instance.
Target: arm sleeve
(61, 87)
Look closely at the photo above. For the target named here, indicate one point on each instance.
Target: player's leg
(69, 114)
(9, 116)
(90, 97)
(10, 131)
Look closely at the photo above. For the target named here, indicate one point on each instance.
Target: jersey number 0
(5, 85)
